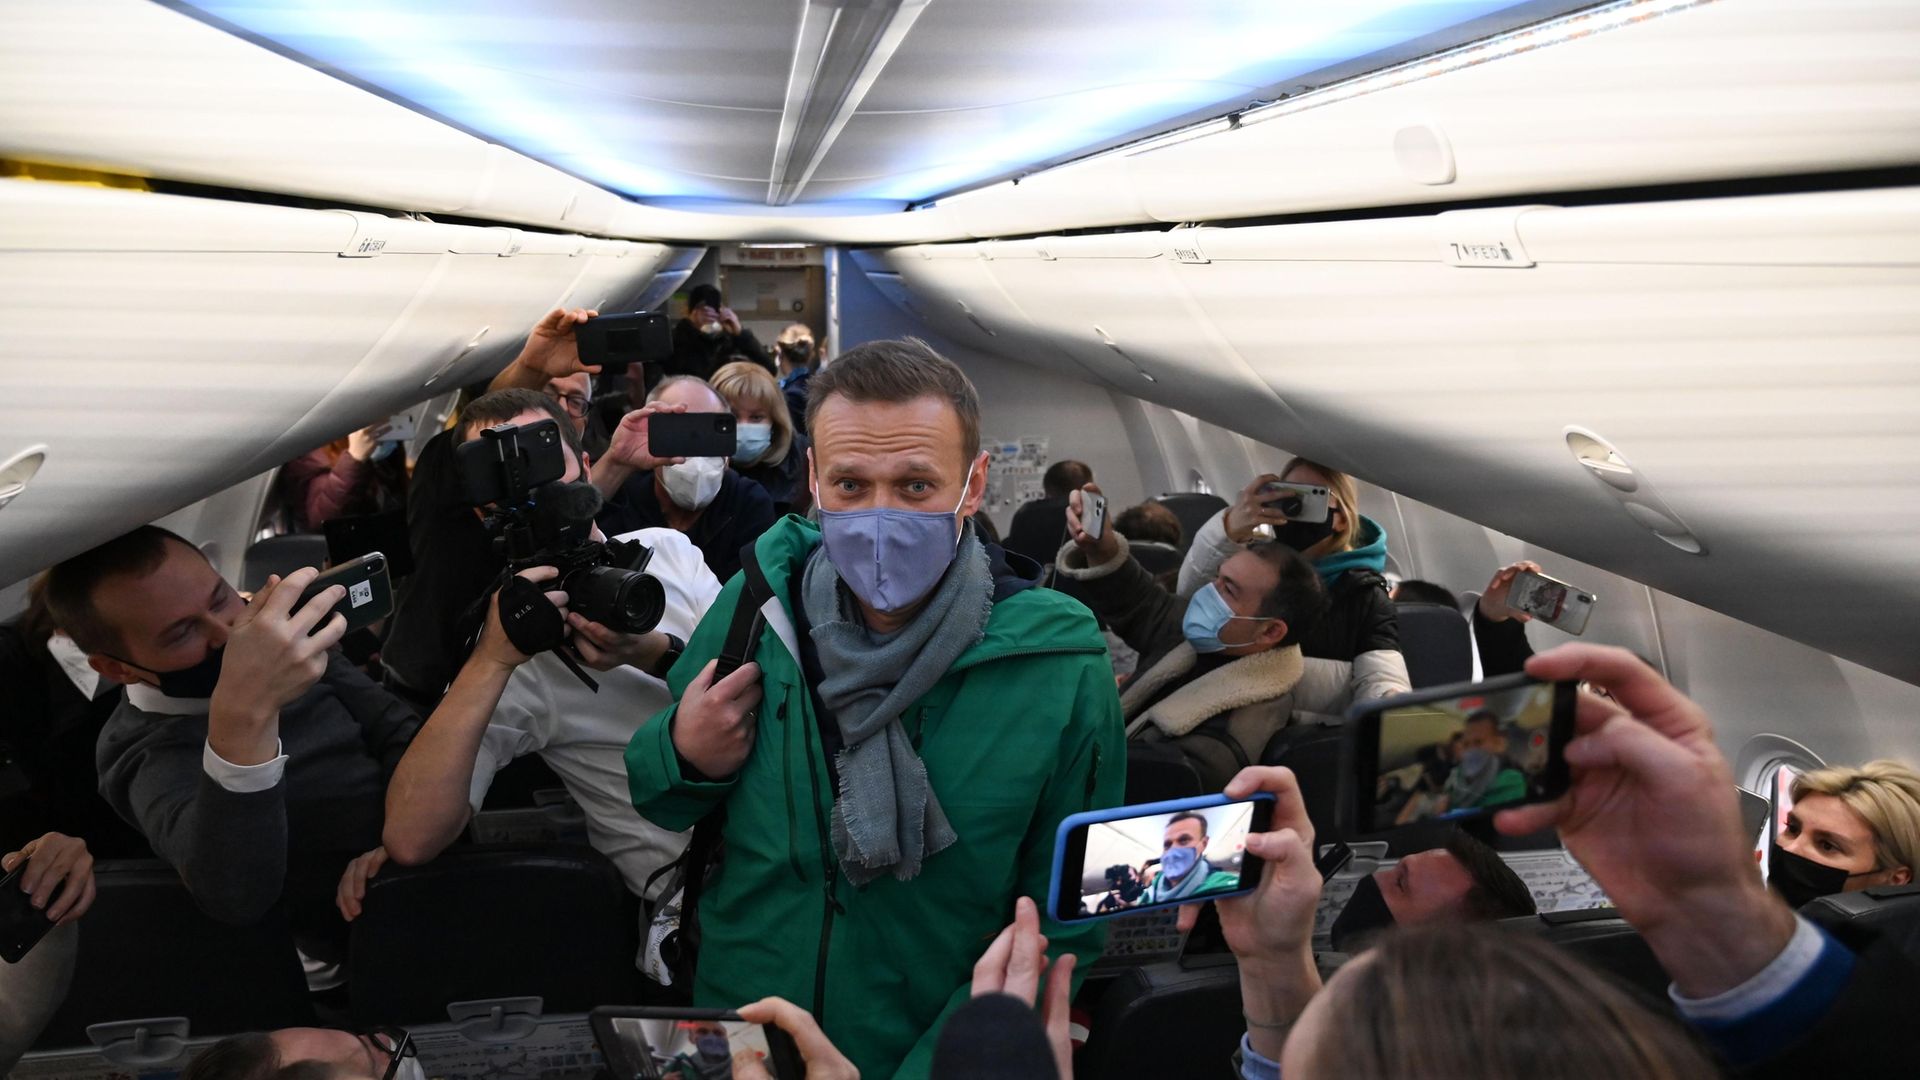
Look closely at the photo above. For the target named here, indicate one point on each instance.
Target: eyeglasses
(574, 404)
(396, 1043)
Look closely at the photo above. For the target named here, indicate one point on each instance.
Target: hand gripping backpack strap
(743, 639)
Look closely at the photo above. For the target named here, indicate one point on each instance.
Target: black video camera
(613, 342)
(537, 520)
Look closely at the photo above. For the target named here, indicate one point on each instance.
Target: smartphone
(1093, 513)
(404, 425)
(1120, 861)
(1457, 752)
(1299, 502)
(369, 591)
(668, 1044)
(21, 924)
(691, 435)
(508, 461)
(615, 342)
(1555, 603)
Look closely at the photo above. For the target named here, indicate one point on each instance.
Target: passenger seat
(1194, 509)
(1437, 642)
(555, 923)
(146, 950)
(1163, 1019)
(1890, 912)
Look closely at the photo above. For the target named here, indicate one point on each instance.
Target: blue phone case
(1119, 813)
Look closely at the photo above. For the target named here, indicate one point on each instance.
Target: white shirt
(583, 736)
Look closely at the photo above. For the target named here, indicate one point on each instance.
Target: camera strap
(534, 625)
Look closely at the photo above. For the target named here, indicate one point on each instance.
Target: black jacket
(738, 514)
(48, 780)
(1503, 646)
(1039, 528)
(794, 389)
(1869, 1031)
(786, 480)
(1359, 618)
(454, 566)
(694, 353)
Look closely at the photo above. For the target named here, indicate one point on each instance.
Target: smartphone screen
(21, 924)
(687, 1044)
(1134, 858)
(1460, 752)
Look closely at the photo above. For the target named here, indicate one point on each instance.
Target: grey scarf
(886, 818)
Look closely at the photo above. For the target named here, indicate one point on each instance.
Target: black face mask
(1365, 916)
(197, 681)
(1301, 535)
(1799, 880)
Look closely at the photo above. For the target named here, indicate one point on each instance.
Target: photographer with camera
(519, 692)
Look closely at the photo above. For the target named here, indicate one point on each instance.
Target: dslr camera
(536, 520)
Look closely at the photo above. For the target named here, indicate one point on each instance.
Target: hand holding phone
(1136, 858)
(1554, 602)
(1456, 752)
(1093, 513)
(1296, 502)
(1272, 927)
(641, 1041)
(49, 882)
(369, 595)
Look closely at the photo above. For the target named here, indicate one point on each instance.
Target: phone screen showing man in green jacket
(916, 721)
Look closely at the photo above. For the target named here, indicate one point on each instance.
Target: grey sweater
(239, 852)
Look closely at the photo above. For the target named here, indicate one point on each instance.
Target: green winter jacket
(1023, 731)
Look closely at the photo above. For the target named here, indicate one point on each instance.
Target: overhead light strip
(840, 50)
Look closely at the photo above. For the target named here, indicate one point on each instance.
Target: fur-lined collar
(1246, 681)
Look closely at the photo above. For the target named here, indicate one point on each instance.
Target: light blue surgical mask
(383, 450)
(1207, 615)
(753, 440)
(1176, 861)
(891, 558)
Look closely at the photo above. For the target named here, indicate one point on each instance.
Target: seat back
(1165, 1020)
(1315, 752)
(1892, 912)
(281, 555)
(146, 950)
(1601, 939)
(1194, 509)
(1155, 557)
(1437, 642)
(1158, 771)
(555, 923)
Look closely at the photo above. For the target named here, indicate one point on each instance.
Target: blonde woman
(1851, 827)
(770, 452)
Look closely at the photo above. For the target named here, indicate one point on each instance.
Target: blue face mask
(383, 450)
(753, 441)
(1207, 615)
(891, 558)
(712, 1047)
(1175, 862)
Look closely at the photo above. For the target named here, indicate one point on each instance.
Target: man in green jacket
(917, 721)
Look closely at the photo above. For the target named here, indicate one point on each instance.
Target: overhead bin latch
(1184, 244)
(1483, 239)
(370, 234)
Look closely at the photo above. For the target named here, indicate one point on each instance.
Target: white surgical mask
(693, 483)
(754, 440)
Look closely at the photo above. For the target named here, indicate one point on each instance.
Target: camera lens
(1291, 506)
(628, 601)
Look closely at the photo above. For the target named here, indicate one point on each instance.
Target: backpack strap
(743, 639)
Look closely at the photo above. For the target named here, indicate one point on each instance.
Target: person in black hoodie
(709, 336)
(770, 452)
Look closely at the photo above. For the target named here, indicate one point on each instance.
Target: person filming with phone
(1221, 670)
(703, 497)
(1347, 550)
(709, 335)
(908, 725)
(250, 753)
